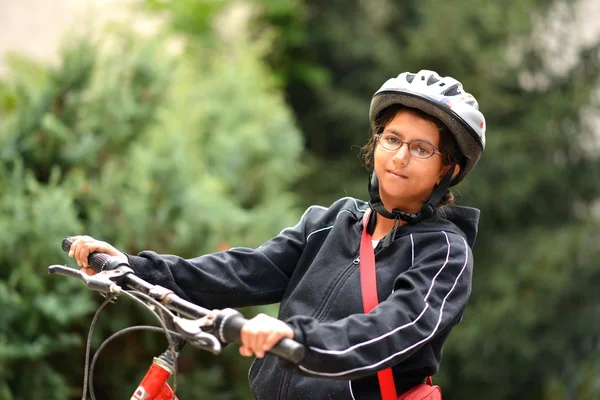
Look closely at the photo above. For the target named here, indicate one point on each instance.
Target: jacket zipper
(284, 383)
(336, 288)
(286, 377)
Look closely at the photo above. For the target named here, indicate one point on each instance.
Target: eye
(391, 139)
(422, 149)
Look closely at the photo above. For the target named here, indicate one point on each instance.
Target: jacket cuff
(138, 264)
(298, 337)
(298, 334)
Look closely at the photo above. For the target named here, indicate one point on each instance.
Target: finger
(89, 247)
(86, 246)
(72, 247)
(245, 335)
(83, 250)
(245, 351)
(77, 241)
(88, 271)
(83, 253)
(255, 337)
(258, 344)
(75, 251)
(272, 339)
(263, 337)
(267, 326)
(250, 335)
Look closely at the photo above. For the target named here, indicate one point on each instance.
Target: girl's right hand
(83, 246)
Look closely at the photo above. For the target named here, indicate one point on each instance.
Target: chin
(396, 203)
(400, 202)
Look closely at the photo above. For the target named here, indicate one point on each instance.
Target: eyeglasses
(417, 148)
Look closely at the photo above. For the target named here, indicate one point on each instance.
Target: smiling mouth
(399, 175)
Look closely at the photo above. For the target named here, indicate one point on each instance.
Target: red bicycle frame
(154, 386)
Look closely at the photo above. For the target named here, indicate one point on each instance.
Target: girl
(427, 134)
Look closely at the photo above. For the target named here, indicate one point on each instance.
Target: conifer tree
(147, 149)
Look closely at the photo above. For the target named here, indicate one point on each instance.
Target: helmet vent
(410, 78)
(432, 79)
(452, 91)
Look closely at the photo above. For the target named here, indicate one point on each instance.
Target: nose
(402, 155)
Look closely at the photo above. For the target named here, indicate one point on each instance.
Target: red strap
(368, 279)
(368, 283)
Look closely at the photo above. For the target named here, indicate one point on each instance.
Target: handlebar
(98, 261)
(113, 274)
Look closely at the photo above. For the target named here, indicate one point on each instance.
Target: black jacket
(423, 283)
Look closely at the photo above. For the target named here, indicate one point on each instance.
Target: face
(406, 181)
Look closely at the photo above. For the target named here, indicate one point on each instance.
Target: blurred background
(188, 126)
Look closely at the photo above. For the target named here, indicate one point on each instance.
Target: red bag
(424, 391)
(368, 283)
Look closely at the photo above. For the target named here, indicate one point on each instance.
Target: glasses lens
(390, 141)
(421, 149)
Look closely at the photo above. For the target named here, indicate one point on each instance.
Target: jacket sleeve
(427, 300)
(234, 278)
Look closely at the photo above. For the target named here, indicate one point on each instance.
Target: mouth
(398, 174)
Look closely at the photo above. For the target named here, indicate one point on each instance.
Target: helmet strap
(438, 193)
(426, 211)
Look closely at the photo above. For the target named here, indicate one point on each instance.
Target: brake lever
(191, 331)
(104, 282)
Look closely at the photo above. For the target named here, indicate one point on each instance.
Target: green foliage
(542, 315)
(34, 216)
(188, 16)
(145, 148)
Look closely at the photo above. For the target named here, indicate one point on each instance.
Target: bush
(144, 148)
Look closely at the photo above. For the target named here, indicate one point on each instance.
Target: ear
(444, 171)
(456, 171)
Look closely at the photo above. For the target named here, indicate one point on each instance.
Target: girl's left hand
(261, 333)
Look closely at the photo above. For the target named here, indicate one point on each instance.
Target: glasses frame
(408, 144)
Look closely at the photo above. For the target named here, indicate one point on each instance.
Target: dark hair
(451, 153)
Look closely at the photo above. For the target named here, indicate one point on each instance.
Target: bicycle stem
(154, 385)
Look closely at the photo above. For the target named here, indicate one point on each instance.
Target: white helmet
(443, 98)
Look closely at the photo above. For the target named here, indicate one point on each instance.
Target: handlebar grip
(228, 325)
(98, 261)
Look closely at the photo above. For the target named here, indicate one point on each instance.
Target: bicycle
(202, 328)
